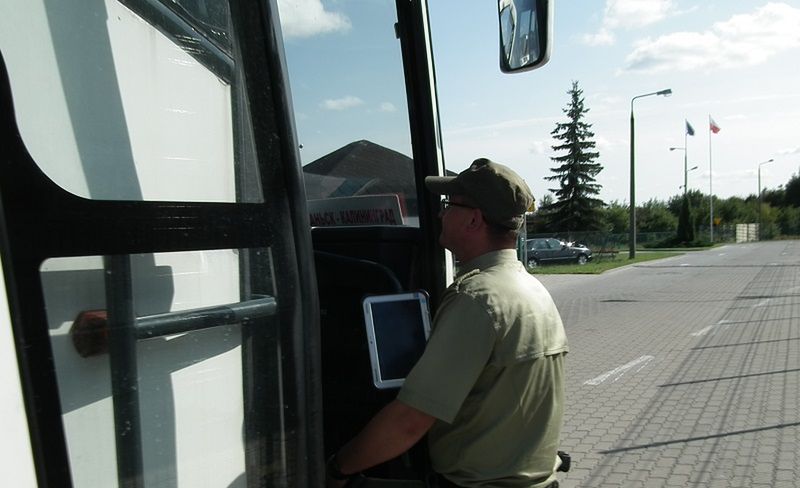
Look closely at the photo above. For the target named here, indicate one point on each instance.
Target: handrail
(202, 318)
(90, 329)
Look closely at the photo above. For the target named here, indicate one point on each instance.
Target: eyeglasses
(448, 203)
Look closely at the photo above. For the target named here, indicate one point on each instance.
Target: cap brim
(442, 185)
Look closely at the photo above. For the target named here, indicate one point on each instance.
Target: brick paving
(686, 371)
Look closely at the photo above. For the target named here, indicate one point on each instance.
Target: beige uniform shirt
(493, 374)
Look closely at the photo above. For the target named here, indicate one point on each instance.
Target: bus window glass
(189, 384)
(349, 98)
(210, 17)
(128, 104)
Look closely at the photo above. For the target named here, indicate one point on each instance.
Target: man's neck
(471, 254)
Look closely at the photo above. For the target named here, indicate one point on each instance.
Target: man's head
(498, 195)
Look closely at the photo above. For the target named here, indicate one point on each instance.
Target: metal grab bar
(202, 318)
(89, 330)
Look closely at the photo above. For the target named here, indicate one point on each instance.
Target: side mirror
(526, 30)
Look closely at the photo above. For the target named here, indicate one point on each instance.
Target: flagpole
(685, 159)
(710, 188)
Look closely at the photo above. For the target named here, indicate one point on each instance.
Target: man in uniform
(489, 388)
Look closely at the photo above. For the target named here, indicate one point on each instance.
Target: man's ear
(476, 221)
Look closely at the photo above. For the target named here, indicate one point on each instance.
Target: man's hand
(354, 482)
(389, 434)
(332, 483)
(334, 478)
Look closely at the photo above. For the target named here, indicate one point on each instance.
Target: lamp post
(632, 230)
(685, 165)
(759, 195)
(685, 179)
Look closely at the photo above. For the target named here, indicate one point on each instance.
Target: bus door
(155, 246)
(363, 94)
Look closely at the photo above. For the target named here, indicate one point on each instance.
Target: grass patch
(604, 264)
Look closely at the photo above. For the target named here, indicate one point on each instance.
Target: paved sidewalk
(685, 372)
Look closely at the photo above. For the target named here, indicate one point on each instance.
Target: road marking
(702, 331)
(722, 254)
(708, 329)
(685, 264)
(762, 303)
(619, 371)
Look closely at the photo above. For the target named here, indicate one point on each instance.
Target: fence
(607, 241)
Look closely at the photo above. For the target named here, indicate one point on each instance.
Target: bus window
(210, 18)
(119, 112)
(142, 215)
(351, 112)
(188, 383)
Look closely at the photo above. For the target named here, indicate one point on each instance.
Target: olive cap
(501, 194)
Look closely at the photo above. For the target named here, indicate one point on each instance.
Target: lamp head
(665, 93)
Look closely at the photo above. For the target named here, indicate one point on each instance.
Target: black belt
(443, 482)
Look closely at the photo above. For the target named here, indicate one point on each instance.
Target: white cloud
(628, 14)
(539, 147)
(343, 103)
(503, 126)
(603, 37)
(789, 152)
(308, 18)
(631, 14)
(601, 102)
(743, 40)
(388, 107)
(735, 176)
(602, 143)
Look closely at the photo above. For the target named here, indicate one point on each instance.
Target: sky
(735, 61)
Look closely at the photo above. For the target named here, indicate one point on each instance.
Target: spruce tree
(685, 233)
(576, 207)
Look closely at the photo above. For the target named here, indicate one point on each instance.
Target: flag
(689, 129)
(713, 125)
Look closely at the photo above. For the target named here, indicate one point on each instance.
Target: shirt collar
(489, 259)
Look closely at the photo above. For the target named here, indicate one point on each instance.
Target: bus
(189, 220)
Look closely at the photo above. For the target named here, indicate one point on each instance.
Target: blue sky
(734, 60)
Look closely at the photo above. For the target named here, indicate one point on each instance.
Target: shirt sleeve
(458, 350)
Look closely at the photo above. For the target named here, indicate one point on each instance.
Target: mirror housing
(526, 32)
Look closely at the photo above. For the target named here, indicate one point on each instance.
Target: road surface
(685, 371)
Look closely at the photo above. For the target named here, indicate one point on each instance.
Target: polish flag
(713, 125)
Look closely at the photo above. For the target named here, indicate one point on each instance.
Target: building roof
(360, 168)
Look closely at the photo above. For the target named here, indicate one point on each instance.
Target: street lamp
(685, 164)
(632, 230)
(759, 195)
(684, 186)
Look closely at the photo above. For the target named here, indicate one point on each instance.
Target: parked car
(549, 250)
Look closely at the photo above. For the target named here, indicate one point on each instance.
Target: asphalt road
(685, 371)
